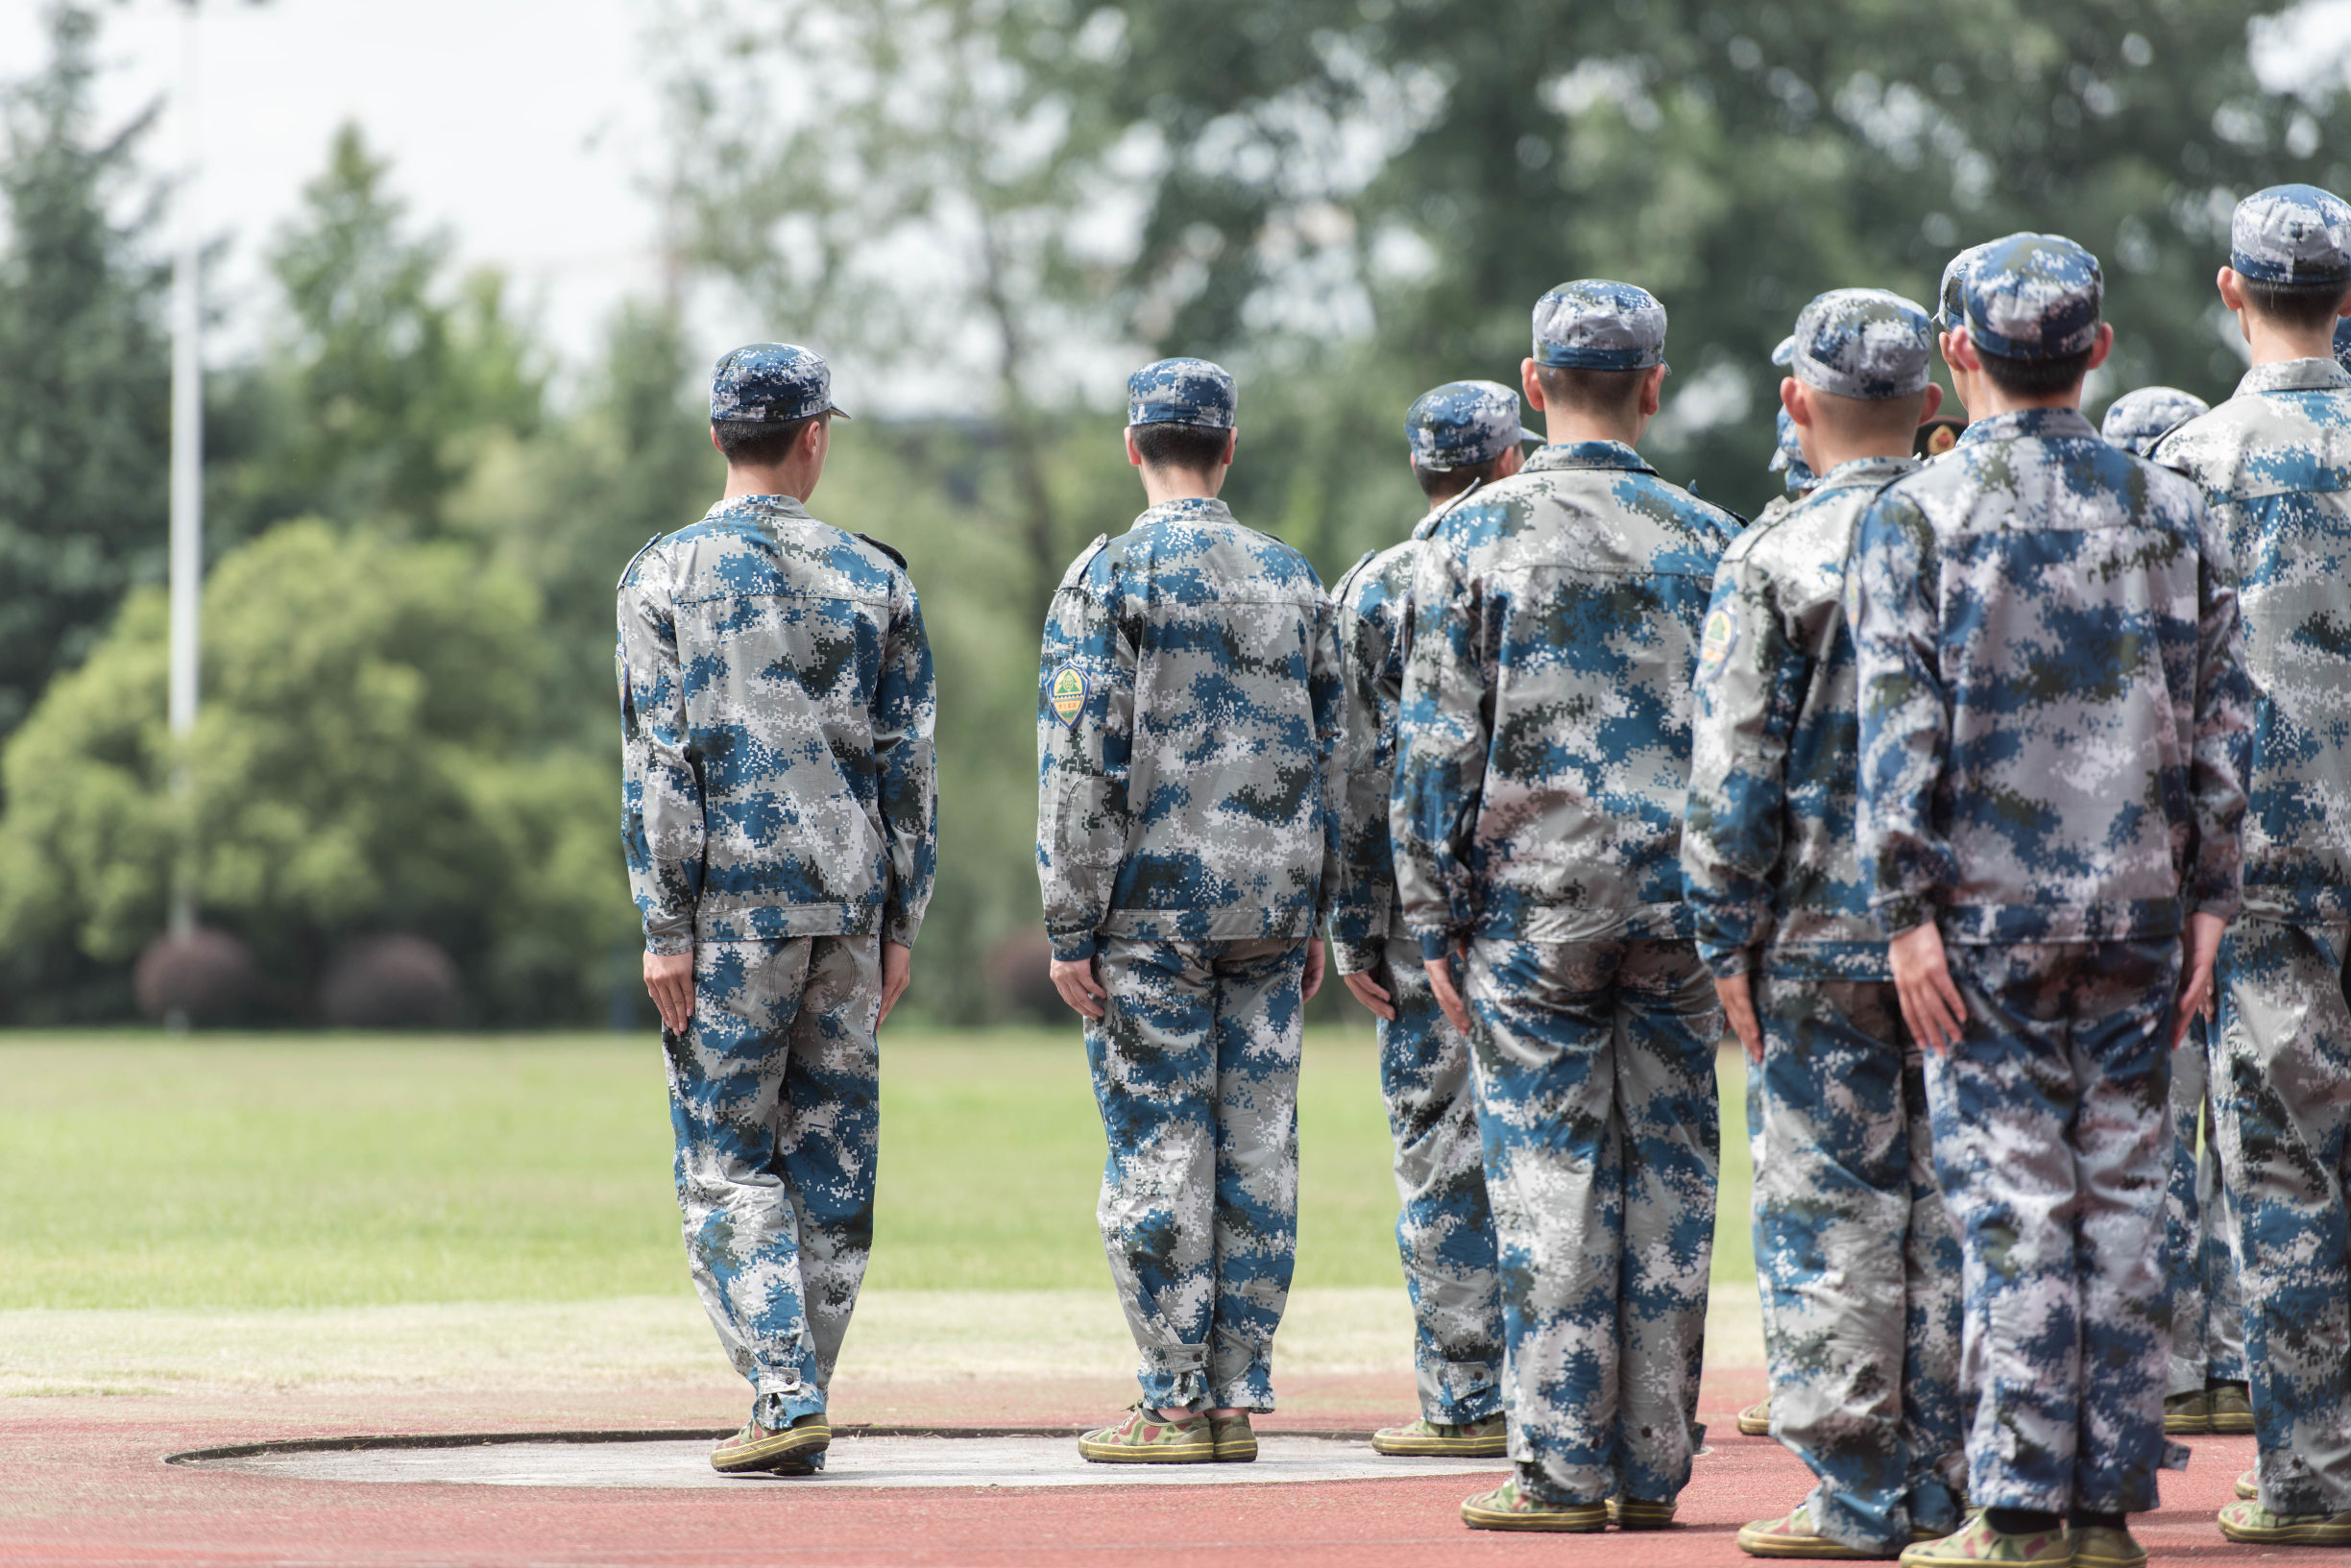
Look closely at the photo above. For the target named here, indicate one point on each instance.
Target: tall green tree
(85, 368)
(387, 378)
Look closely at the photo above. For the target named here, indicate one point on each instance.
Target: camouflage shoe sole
(1234, 1441)
(1506, 1508)
(1485, 1439)
(2102, 1546)
(2248, 1487)
(1144, 1438)
(757, 1450)
(2187, 1415)
(1792, 1536)
(2232, 1410)
(1632, 1513)
(1976, 1543)
(2256, 1526)
(1755, 1421)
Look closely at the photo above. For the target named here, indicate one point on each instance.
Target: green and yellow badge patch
(1714, 645)
(1068, 691)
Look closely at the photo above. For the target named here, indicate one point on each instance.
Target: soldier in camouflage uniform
(2274, 462)
(781, 823)
(1460, 436)
(1188, 727)
(1856, 1260)
(1544, 747)
(2206, 1391)
(2053, 713)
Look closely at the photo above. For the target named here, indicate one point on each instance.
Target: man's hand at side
(1736, 994)
(1930, 1003)
(1448, 1000)
(897, 969)
(1367, 991)
(1074, 978)
(1314, 967)
(2203, 945)
(669, 979)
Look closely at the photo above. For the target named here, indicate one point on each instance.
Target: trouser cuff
(776, 1404)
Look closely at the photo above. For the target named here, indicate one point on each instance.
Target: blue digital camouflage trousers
(1859, 1264)
(1596, 1102)
(1196, 1063)
(2052, 1139)
(2281, 1095)
(2206, 1325)
(1444, 1225)
(775, 1097)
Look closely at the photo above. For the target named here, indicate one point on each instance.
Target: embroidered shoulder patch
(1068, 690)
(1714, 645)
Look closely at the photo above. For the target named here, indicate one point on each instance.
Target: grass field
(263, 1171)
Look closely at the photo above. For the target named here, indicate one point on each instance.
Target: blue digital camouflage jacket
(1188, 722)
(1768, 858)
(2054, 699)
(778, 777)
(2274, 462)
(1545, 718)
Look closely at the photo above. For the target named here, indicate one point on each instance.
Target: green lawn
(318, 1171)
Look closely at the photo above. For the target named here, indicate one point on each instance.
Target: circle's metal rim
(667, 1435)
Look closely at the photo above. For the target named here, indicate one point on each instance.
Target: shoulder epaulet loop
(884, 549)
(634, 559)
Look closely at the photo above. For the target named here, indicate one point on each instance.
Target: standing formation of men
(1941, 786)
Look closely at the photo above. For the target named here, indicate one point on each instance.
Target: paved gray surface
(853, 1461)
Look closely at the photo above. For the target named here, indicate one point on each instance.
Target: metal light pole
(187, 459)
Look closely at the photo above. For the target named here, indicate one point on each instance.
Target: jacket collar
(1868, 472)
(1586, 454)
(2296, 375)
(2030, 425)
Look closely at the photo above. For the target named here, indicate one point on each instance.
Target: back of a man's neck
(1163, 486)
(1578, 431)
(2272, 345)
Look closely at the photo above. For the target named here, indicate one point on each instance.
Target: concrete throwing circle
(853, 1460)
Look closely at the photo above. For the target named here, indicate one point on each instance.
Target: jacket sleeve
(1082, 766)
(661, 779)
(2220, 762)
(1359, 909)
(906, 767)
(1906, 730)
(1326, 694)
(1444, 728)
(1749, 686)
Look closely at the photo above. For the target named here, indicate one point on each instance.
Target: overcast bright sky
(529, 127)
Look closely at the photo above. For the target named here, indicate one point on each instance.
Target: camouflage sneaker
(1144, 1438)
(1755, 1421)
(2248, 1487)
(1632, 1513)
(1792, 1536)
(1976, 1543)
(1484, 1439)
(2187, 1415)
(2232, 1410)
(758, 1450)
(2257, 1526)
(2102, 1546)
(1235, 1443)
(1506, 1508)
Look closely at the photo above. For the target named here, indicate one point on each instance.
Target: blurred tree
(85, 369)
(386, 380)
(370, 759)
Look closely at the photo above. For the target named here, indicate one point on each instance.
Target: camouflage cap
(1182, 392)
(2034, 298)
(2137, 420)
(772, 383)
(1788, 456)
(1860, 342)
(2291, 235)
(1463, 423)
(1951, 296)
(1598, 325)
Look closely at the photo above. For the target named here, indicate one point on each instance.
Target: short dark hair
(1193, 449)
(755, 443)
(1602, 393)
(1443, 483)
(2035, 377)
(2302, 307)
